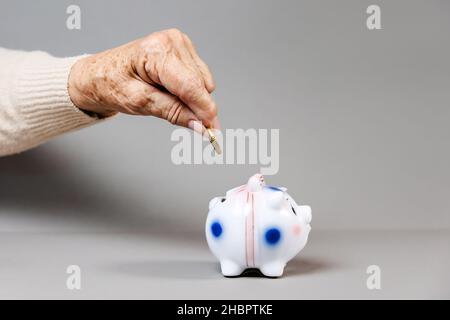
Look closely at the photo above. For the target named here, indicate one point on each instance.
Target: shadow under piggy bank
(296, 267)
(202, 269)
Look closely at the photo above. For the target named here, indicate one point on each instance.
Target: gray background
(364, 136)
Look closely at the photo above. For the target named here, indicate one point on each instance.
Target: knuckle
(211, 111)
(173, 30)
(138, 100)
(175, 33)
(135, 101)
(192, 90)
(186, 37)
(155, 41)
(152, 36)
(162, 37)
(211, 85)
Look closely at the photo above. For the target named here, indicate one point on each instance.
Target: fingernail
(196, 126)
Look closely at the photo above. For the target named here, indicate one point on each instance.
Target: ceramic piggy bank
(256, 226)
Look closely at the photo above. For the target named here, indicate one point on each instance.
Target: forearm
(158, 75)
(34, 101)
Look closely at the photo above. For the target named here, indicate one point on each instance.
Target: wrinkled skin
(159, 75)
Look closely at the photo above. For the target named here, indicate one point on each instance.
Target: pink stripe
(247, 236)
(253, 232)
(250, 233)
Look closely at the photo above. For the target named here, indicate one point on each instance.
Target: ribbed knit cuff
(43, 99)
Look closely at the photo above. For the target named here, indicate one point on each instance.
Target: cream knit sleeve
(34, 101)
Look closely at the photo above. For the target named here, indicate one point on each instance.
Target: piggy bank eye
(223, 199)
(293, 210)
(292, 207)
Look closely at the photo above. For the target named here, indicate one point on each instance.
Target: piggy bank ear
(305, 212)
(276, 200)
(214, 201)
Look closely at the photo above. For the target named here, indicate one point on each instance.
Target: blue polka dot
(274, 188)
(273, 236)
(216, 229)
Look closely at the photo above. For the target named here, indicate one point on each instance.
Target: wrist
(79, 91)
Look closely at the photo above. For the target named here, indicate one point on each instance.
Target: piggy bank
(256, 226)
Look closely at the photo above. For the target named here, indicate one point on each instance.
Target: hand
(159, 75)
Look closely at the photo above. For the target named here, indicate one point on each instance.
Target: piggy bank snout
(305, 212)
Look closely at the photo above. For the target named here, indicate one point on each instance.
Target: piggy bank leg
(272, 269)
(230, 268)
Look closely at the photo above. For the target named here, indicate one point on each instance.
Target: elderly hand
(159, 75)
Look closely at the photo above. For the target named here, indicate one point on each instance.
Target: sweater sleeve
(34, 100)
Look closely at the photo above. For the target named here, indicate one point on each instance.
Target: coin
(213, 141)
